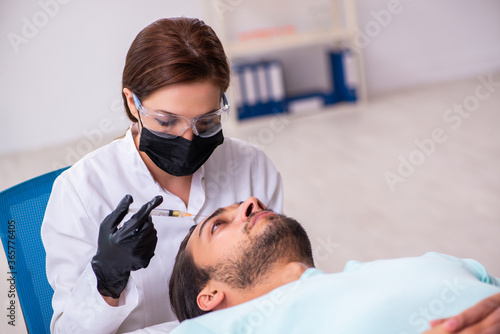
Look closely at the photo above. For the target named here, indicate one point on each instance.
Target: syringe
(166, 213)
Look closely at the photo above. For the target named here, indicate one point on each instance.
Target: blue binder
(260, 88)
(341, 90)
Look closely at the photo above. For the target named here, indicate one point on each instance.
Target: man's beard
(283, 240)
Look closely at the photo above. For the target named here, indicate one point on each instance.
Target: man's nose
(250, 206)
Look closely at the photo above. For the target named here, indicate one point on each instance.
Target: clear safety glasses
(171, 126)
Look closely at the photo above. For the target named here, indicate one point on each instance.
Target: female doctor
(108, 279)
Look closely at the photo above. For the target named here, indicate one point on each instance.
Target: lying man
(255, 268)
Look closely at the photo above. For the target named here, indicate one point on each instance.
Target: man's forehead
(214, 214)
(189, 234)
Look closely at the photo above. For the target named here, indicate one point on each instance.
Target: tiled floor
(444, 167)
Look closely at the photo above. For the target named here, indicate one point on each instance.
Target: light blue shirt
(386, 296)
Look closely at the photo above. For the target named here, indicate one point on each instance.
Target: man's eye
(216, 225)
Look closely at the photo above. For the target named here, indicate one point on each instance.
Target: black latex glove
(120, 251)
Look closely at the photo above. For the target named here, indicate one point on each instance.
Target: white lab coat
(86, 193)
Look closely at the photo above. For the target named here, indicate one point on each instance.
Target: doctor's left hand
(125, 249)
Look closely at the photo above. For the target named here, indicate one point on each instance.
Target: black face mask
(178, 156)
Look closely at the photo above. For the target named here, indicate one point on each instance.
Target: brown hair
(174, 51)
(186, 282)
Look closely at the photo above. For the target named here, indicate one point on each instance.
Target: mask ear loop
(138, 106)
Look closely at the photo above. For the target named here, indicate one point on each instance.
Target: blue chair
(22, 208)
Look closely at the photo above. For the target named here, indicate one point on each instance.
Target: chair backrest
(22, 208)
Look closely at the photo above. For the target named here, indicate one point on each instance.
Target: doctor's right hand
(125, 249)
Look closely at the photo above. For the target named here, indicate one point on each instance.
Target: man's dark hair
(186, 283)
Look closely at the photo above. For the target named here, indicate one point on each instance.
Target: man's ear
(210, 297)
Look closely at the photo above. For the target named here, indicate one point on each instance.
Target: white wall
(62, 82)
(427, 41)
